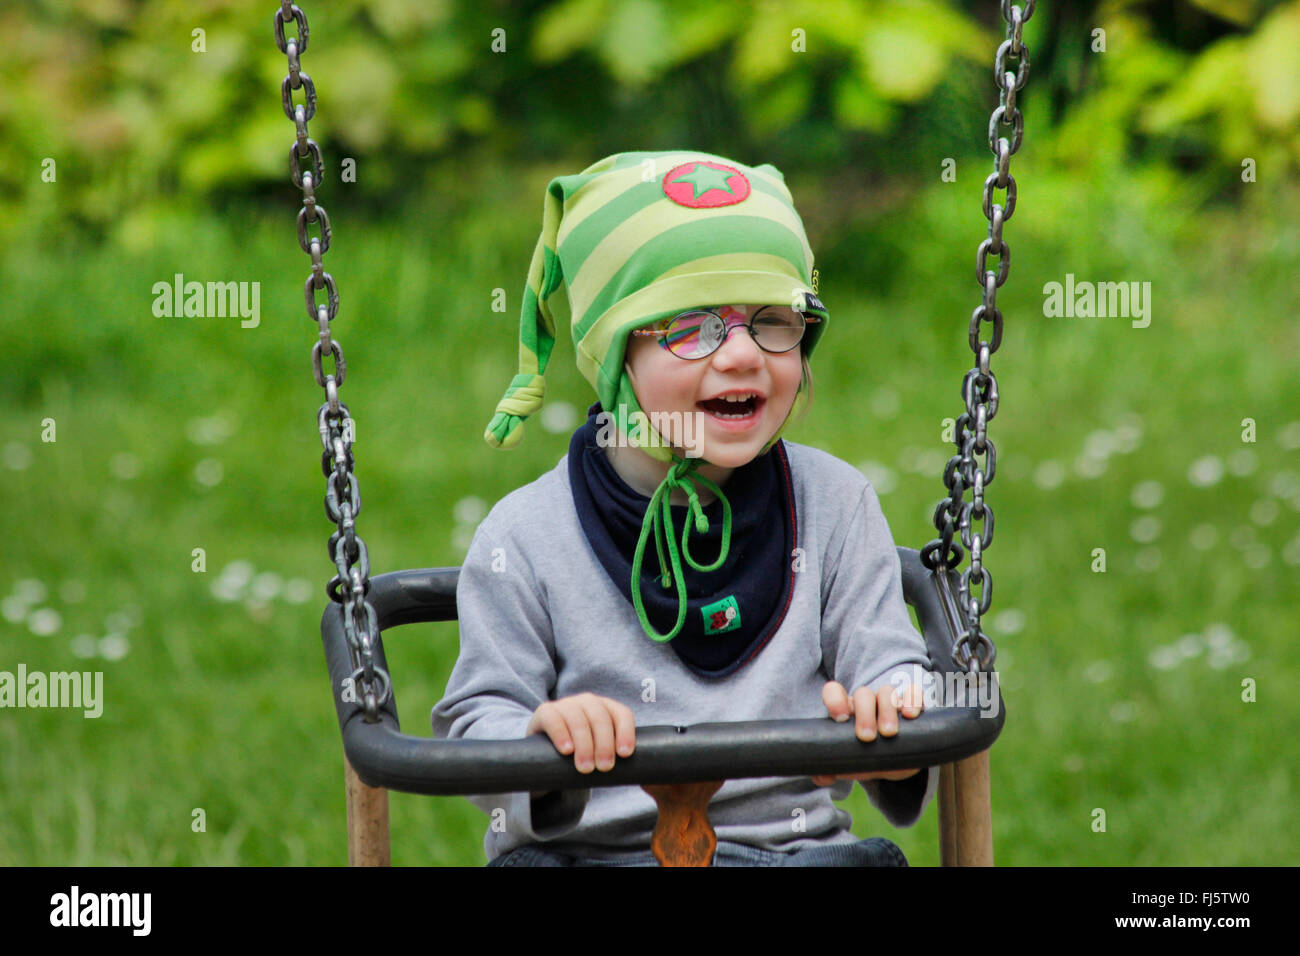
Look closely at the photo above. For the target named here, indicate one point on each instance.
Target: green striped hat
(642, 236)
(639, 237)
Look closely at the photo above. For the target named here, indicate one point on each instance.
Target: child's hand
(871, 710)
(587, 726)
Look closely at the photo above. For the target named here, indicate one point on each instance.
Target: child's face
(666, 383)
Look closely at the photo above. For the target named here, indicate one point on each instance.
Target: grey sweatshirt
(540, 620)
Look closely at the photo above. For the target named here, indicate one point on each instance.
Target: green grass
(223, 706)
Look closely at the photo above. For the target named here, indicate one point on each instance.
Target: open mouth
(732, 411)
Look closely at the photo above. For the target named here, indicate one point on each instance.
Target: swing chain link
(351, 586)
(953, 516)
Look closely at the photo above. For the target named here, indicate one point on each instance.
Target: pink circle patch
(704, 184)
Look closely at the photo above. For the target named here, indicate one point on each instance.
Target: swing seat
(384, 757)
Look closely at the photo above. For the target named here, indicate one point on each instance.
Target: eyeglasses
(701, 332)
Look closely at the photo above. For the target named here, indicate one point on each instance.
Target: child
(785, 590)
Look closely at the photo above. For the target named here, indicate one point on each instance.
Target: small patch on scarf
(721, 615)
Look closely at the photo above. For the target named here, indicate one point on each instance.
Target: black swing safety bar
(385, 757)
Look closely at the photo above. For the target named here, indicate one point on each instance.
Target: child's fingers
(624, 728)
(589, 727)
(875, 712)
(897, 774)
(836, 699)
(601, 724)
(579, 727)
(883, 775)
(549, 719)
(864, 705)
(827, 780)
(913, 700)
(887, 700)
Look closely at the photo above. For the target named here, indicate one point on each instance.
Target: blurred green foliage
(138, 119)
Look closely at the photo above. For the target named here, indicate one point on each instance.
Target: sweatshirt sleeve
(505, 671)
(868, 639)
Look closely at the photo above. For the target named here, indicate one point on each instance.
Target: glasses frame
(727, 330)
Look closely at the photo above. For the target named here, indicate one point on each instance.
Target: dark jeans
(874, 851)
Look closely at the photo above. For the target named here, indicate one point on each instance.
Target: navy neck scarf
(732, 612)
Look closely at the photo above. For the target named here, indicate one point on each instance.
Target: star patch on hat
(706, 185)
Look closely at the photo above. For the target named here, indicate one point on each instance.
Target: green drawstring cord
(679, 476)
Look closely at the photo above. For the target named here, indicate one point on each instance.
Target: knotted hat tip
(522, 398)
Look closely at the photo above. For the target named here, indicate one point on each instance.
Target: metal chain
(351, 585)
(979, 388)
